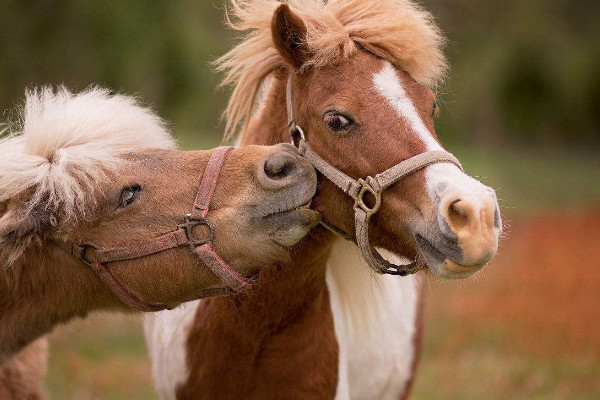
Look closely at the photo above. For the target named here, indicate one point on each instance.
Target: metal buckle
(79, 250)
(188, 227)
(296, 133)
(394, 270)
(359, 202)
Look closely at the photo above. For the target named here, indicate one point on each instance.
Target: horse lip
(287, 209)
(431, 253)
(428, 250)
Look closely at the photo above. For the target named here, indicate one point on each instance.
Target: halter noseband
(358, 188)
(95, 256)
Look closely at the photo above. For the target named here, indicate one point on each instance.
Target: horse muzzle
(465, 234)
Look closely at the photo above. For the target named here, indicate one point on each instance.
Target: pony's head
(362, 76)
(99, 168)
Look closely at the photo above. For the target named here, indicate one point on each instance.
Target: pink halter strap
(96, 257)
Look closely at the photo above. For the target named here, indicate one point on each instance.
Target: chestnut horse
(361, 74)
(98, 168)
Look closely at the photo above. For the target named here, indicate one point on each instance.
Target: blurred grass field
(526, 328)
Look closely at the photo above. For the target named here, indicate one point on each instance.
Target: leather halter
(96, 257)
(358, 188)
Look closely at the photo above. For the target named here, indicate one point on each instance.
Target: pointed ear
(289, 36)
(19, 229)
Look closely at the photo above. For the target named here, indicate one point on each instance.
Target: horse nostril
(281, 165)
(458, 215)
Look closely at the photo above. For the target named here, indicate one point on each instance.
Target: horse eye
(337, 122)
(129, 194)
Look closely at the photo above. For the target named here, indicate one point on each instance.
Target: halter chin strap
(96, 257)
(358, 189)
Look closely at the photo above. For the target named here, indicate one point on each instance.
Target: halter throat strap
(357, 189)
(96, 257)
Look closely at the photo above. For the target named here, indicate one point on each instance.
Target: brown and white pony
(362, 73)
(99, 168)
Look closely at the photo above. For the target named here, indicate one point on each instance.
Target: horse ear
(289, 36)
(20, 227)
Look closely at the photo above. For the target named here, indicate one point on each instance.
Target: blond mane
(399, 31)
(64, 145)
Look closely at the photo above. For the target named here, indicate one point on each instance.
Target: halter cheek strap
(358, 188)
(96, 257)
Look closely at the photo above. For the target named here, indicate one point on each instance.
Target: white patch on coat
(374, 318)
(166, 337)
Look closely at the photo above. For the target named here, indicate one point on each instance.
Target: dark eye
(129, 194)
(337, 122)
(435, 109)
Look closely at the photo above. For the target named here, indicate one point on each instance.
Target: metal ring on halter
(80, 251)
(359, 201)
(398, 271)
(296, 131)
(188, 227)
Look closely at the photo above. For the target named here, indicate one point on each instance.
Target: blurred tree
(160, 50)
(523, 71)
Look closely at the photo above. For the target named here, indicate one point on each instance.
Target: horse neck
(272, 334)
(43, 288)
(306, 272)
(262, 344)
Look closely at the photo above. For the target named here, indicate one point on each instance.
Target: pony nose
(473, 221)
(283, 167)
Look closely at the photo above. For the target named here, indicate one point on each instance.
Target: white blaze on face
(437, 176)
(443, 179)
(389, 86)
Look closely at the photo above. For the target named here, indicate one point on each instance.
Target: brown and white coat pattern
(326, 326)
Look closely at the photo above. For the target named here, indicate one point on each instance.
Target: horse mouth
(287, 225)
(443, 265)
(431, 258)
(280, 211)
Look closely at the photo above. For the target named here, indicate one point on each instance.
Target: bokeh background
(521, 109)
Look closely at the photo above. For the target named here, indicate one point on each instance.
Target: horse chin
(449, 269)
(434, 261)
(441, 265)
(288, 227)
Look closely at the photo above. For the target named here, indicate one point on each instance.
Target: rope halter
(357, 189)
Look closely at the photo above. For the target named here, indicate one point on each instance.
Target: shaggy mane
(399, 31)
(64, 145)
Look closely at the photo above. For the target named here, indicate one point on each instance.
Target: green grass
(103, 357)
(484, 365)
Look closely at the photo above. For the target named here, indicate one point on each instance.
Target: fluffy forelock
(65, 145)
(399, 31)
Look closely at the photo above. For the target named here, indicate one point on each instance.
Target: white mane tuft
(64, 144)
